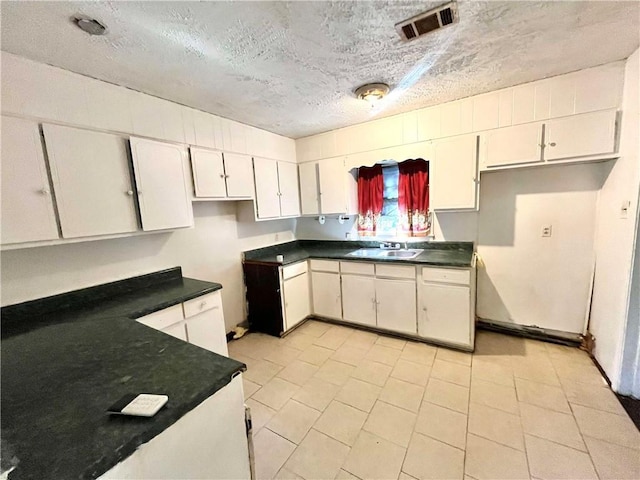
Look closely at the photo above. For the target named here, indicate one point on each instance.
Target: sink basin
(378, 253)
(413, 253)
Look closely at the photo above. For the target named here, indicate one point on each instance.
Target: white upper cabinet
(27, 207)
(332, 180)
(289, 192)
(580, 135)
(453, 181)
(267, 191)
(218, 175)
(161, 184)
(520, 144)
(92, 182)
(239, 175)
(208, 173)
(309, 189)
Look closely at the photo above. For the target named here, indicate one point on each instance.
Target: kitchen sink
(379, 253)
(413, 253)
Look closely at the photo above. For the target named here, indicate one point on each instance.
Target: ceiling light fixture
(90, 25)
(372, 92)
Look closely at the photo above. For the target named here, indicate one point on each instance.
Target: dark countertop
(67, 358)
(445, 254)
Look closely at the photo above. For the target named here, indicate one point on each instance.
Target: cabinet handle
(221, 175)
(552, 144)
(203, 304)
(130, 192)
(44, 191)
(541, 145)
(226, 176)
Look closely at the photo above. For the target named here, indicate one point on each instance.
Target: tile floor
(334, 402)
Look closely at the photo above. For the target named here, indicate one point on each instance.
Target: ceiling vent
(426, 22)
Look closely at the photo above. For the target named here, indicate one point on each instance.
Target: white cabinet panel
(512, 145)
(486, 112)
(542, 100)
(27, 206)
(409, 127)
(203, 129)
(327, 298)
(188, 126)
(70, 98)
(309, 188)
(599, 88)
(450, 119)
(563, 96)
(207, 330)
(580, 135)
(396, 305)
(267, 193)
(237, 138)
(332, 184)
(92, 182)
(220, 131)
(453, 182)
(429, 123)
(239, 175)
(146, 115)
(289, 193)
(297, 300)
(506, 107)
(109, 107)
(359, 299)
(160, 179)
(172, 123)
(164, 318)
(523, 104)
(208, 173)
(445, 313)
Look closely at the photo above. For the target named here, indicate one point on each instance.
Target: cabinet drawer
(395, 271)
(202, 304)
(163, 318)
(446, 275)
(291, 271)
(325, 266)
(357, 268)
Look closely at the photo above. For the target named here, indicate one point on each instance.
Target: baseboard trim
(534, 333)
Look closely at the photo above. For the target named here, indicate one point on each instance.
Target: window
(388, 223)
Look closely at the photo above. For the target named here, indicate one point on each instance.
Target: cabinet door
(309, 189)
(162, 190)
(332, 179)
(453, 182)
(359, 299)
(92, 182)
(396, 305)
(512, 145)
(239, 175)
(580, 135)
(177, 330)
(27, 206)
(327, 299)
(207, 330)
(265, 174)
(208, 173)
(289, 193)
(297, 301)
(445, 313)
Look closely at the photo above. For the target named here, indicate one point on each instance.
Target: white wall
(527, 279)
(615, 236)
(210, 251)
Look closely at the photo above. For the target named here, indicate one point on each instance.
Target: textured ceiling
(291, 67)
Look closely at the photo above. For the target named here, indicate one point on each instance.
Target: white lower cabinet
(199, 321)
(359, 299)
(446, 302)
(28, 214)
(297, 297)
(396, 305)
(327, 297)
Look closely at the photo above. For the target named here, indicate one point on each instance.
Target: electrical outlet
(546, 230)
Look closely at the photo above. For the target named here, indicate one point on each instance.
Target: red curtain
(413, 197)
(370, 199)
